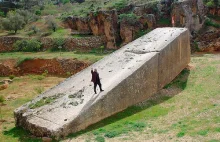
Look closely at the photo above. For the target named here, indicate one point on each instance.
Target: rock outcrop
(105, 23)
(129, 76)
(128, 30)
(189, 14)
(209, 41)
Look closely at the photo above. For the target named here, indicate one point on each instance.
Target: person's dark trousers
(95, 85)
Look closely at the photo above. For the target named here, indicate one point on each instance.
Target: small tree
(2, 14)
(13, 22)
(2, 99)
(51, 23)
(67, 7)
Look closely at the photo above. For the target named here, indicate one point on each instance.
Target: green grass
(203, 132)
(82, 56)
(60, 32)
(180, 134)
(100, 139)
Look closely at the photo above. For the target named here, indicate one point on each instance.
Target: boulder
(130, 75)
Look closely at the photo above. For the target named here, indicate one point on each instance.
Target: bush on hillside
(209, 22)
(131, 18)
(58, 42)
(51, 23)
(120, 4)
(27, 45)
(2, 14)
(13, 22)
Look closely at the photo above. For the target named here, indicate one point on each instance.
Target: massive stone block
(130, 75)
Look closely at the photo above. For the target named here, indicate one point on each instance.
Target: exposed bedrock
(105, 23)
(189, 14)
(129, 76)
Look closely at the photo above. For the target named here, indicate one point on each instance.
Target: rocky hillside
(119, 22)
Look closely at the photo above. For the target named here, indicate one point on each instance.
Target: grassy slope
(187, 109)
(90, 57)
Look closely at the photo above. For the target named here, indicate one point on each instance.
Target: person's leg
(95, 84)
(100, 86)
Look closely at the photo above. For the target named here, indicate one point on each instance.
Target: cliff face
(189, 14)
(107, 23)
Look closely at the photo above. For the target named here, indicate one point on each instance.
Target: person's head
(95, 70)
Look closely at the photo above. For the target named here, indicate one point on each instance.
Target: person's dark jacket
(95, 77)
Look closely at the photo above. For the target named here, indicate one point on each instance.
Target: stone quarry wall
(6, 43)
(129, 76)
(189, 14)
(106, 23)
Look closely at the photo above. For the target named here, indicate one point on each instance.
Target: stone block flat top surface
(73, 96)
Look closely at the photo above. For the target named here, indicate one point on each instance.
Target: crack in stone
(140, 52)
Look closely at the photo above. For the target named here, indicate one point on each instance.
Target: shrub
(35, 29)
(13, 22)
(65, 1)
(45, 73)
(210, 4)
(111, 134)
(27, 45)
(209, 22)
(2, 14)
(131, 18)
(141, 33)
(120, 4)
(11, 77)
(180, 134)
(51, 23)
(38, 12)
(100, 139)
(57, 43)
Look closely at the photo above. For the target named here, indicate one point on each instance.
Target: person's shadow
(179, 83)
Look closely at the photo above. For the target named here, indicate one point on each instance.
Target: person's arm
(91, 70)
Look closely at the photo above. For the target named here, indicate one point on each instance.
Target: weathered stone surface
(82, 24)
(128, 30)
(189, 14)
(209, 41)
(108, 25)
(148, 21)
(129, 75)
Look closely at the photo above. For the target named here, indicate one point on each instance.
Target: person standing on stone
(96, 80)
